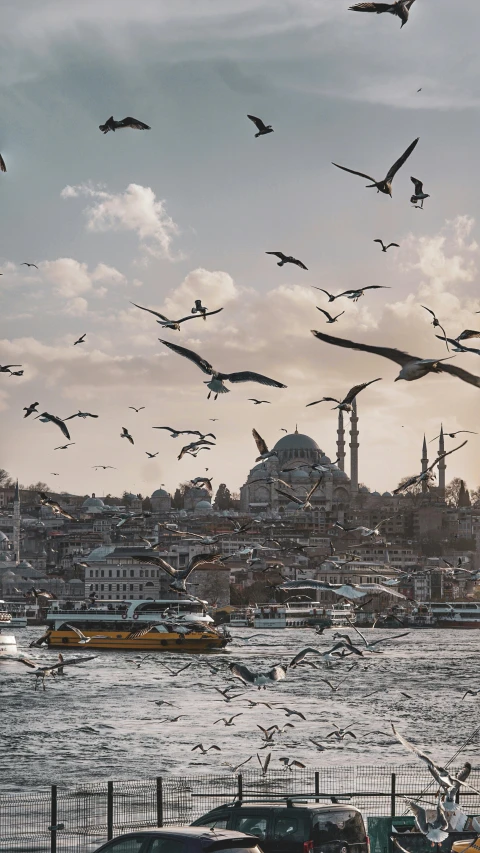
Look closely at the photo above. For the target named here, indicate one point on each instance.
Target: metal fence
(79, 819)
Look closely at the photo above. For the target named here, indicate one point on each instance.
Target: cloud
(136, 210)
(216, 289)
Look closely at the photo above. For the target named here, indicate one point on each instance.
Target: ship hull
(151, 642)
(454, 623)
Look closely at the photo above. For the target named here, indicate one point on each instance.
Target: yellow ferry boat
(142, 625)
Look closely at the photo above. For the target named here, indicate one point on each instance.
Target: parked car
(182, 839)
(294, 827)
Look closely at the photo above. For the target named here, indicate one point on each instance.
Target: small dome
(296, 441)
(339, 475)
(160, 493)
(93, 502)
(376, 494)
(325, 460)
(203, 505)
(300, 474)
(364, 490)
(131, 497)
(387, 495)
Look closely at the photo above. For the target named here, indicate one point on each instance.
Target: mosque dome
(300, 474)
(160, 493)
(338, 474)
(131, 497)
(93, 503)
(387, 495)
(376, 494)
(296, 441)
(203, 507)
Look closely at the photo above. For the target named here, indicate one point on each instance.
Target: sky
(188, 210)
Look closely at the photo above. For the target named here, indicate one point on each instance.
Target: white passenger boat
(18, 612)
(8, 643)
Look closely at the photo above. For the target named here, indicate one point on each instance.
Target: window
(91, 573)
(124, 587)
(131, 587)
(102, 573)
(96, 573)
(118, 573)
(109, 573)
(218, 823)
(289, 828)
(109, 587)
(132, 573)
(102, 587)
(140, 586)
(141, 572)
(167, 845)
(338, 826)
(251, 824)
(134, 844)
(124, 573)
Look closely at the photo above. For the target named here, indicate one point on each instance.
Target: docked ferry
(299, 615)
(8, 643)
(146, 625)
(455, 614)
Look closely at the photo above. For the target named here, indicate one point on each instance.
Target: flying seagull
(3, 167)
(55, 506)
(198, 308)
(384, 247)
(104, 467)
(5, 368)
(204, 750)
(216, 384)
(111, 124)
(26, 264)
(419, 195)
(175, 324)
(426, 476)
(413, 367)
(64, 446)
(384, 186)
(258, 402)
(45, 418)
(80, 414)
(329, 317)
(175, 433)
(151, 455)
(262, 128)
(195, 446)
(136, 410)
(446, 780)
(81, 340)
(263, 450)
(82, 638)
(400, 8)
(30, 409)
(16, 372)
(204, 481)
(346, 590)
(436, 324)
(229, 721)
(456, 346)
(303, 503)
(355, 294)
(287, 259)
(453, 434)
(125, 434)
(264, 764)
(436, 830)
(180, 576)
(345, 405)
(51, 670)
(259, 679)
(465, 335)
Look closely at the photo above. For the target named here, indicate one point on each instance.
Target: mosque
(336, 490)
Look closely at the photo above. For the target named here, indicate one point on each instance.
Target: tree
(37, 487)
(413, 490)
(223, 498)
(452, 491)
(464, 496)
(147, 505)
(5, 479)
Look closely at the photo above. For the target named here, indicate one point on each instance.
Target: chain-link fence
(81, 818)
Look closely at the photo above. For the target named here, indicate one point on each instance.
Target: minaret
(424, 465)
(16, 523)
(341, 442)
(441, 465)
(354, 449)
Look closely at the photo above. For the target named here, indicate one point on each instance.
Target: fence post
(393, 794)
(159, 801)
(317, 784)
(240, 787)
(53, 820)
(109, 811)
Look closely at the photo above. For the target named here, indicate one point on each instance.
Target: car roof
(283, 804)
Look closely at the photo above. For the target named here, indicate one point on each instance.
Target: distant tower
(16, 523)
(341, 442)
(424, 465)
(354, 449)
(441, 465)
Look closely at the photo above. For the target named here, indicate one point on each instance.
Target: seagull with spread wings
(125, 434)
(436, 324)
(413, 367)
(428, 475)
(82, 415)
(151, 455)
(329, 317)
(351, 591)
(30, 409)
(400, 8)
(384, 247)
(287, 259)
(258, 679)
(136, 410)
(262, 128)
(384, 186)
(112, 124)
(175, 324)
(26, 264)
(104, 467)
(216, 384)
(64, 446)
(418, 195)
(180, 576)
(263, 450)
(46, 418)
(81, 339)
(51, 670)
(5, 368)
(194, 447)
(303, 503)
(456, 346)
(453, 434)
(345, 405)
(55, 506)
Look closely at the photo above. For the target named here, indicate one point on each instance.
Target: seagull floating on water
(384, 186)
